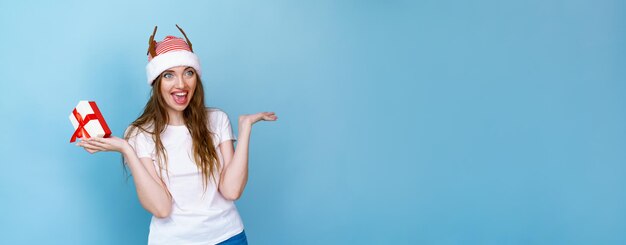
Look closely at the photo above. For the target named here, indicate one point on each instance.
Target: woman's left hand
(250, 119)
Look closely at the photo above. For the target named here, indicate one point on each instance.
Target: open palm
(253, 118)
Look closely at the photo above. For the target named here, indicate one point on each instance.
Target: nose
(180, 82)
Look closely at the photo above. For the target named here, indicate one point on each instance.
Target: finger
(86, 140)
(93, 145)
(97, 139)
(99, 144)
(102, 142)
(91, 151)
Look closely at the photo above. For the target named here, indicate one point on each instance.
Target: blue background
(400, 122)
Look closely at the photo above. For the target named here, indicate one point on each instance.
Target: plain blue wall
(400, 122)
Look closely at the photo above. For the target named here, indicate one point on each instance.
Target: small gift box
(88, 121)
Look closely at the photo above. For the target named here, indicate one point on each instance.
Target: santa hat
(171, 52)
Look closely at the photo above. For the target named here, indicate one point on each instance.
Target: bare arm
(235, 173)
(152, 192)
(234, 176)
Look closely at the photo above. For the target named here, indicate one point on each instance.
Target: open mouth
(180, 97)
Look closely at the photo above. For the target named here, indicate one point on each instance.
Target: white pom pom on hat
(171, 52)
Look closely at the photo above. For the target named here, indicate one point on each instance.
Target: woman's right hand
(96, 144)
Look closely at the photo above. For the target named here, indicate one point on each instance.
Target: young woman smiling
(181, 154)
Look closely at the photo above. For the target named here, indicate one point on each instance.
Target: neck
(175, 118)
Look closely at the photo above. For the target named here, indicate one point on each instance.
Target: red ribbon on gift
(96, 115)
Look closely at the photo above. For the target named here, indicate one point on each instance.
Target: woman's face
(177, 87)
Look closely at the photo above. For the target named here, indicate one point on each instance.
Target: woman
(181, 154)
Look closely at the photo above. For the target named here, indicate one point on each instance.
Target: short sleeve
(142, 144)
(224, 128)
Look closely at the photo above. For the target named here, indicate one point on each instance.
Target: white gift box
(88, 121)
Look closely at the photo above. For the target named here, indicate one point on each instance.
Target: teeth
(180, 94)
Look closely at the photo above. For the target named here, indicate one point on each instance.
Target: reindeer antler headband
(185, 35)
(152, 44)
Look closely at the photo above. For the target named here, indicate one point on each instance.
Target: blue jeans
(239, 239)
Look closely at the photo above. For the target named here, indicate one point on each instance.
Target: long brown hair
(155, 118)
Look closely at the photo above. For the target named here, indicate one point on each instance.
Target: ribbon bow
(80, 130)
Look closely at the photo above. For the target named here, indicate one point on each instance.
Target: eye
(168, 75)
(189, 73)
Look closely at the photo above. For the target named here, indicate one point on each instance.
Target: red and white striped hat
(171, 52)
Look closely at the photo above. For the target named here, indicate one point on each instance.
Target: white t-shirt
(194, 220)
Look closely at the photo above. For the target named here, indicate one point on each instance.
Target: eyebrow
(183, 70)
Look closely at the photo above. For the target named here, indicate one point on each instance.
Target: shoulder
(216, 114)
(214, 111)
(138, 133)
